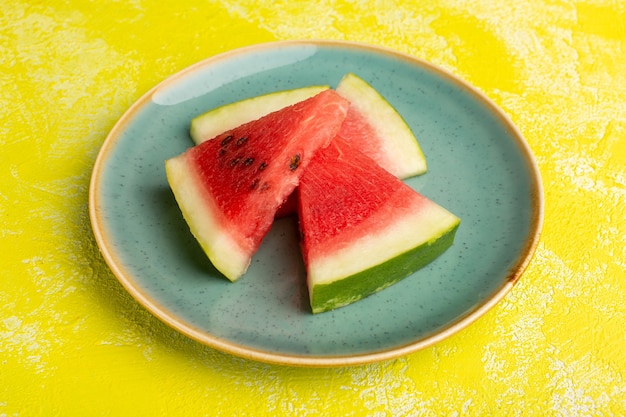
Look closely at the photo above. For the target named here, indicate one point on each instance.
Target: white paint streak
(572, 384)
(64, 65)
(386, 388)
(24, 340)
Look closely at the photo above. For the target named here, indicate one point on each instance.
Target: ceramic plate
(480, 168)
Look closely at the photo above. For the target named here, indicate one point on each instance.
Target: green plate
(480, 168)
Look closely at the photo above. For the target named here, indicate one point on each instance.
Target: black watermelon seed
(262, 166)
(235, 161)
(248, 161)
(242, 140)
(295, 162)
(226, 140)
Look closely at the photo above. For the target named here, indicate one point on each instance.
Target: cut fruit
(230, 187)
(210, 124)
(375, 127)
(363, 229)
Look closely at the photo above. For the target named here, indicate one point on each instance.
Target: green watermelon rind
(229, 116)
(347, 290)
(401, 153)
(362, 267)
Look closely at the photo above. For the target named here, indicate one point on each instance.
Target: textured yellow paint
(73, 342)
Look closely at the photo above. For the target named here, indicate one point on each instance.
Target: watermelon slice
(363, 229)
(230, 187)
(378, 130)
(220, 119)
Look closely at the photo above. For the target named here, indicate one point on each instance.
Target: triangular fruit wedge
(230, 187)
(378, 130)
(362, 228)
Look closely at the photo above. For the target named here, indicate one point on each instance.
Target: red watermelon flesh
(363, 229)
(229, 188)
(355, 128)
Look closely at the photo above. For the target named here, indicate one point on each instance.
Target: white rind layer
(221, 119)
(406, 233)
(403, 152)
(202, 216)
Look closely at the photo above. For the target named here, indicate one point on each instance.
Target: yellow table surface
(73, 342)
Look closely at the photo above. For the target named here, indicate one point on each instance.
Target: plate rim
(513, 275)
